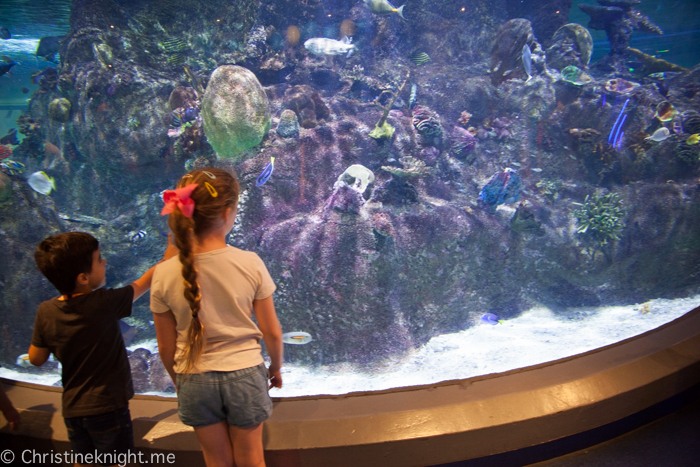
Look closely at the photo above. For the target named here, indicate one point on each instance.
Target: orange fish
(103, 107)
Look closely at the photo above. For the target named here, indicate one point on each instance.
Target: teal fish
(296, 338)
(383, 7)
(419, 58)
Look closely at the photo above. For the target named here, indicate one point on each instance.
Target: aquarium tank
(440, 189)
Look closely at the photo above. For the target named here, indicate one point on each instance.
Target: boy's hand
(171, 250)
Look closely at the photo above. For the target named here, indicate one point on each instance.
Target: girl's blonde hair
(216, 191)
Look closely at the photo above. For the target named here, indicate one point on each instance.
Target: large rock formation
(235, 111)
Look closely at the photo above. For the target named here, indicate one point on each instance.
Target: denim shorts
(106, 433)
(240, 397)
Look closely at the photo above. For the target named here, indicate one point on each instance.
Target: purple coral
(463, 142)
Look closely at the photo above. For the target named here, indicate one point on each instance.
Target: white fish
(536, 169)
(41, 183)
(659, 135)
(296, 338)
(383, 7)
(412, 96)
(527, 61)
(324, 46)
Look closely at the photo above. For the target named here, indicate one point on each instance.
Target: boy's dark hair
(61, 258)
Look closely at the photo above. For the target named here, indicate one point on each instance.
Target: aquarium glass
(440, 190)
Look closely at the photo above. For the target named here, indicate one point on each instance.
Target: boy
(81, 328)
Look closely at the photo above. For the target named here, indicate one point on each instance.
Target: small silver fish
(296, 338)
(324, 46)
(527, 61)
(412, 97)
(536, 169)
(383, 7)
(659, 135)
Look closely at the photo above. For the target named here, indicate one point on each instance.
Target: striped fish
(412, 97)
(176, 59)
(174, 45)
(419, 58)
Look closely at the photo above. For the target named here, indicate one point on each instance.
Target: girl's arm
(272, 335)
(166, 334)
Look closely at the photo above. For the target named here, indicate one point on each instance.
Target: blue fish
(490, 318)
(266, 173)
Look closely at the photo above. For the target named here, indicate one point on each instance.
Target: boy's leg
(247, 446)
(216, 445)
(112, 435)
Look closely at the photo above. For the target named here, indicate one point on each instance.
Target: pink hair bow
(180, 198)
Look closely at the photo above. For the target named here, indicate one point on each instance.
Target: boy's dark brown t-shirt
(84, 335)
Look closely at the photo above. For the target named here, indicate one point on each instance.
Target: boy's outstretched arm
(272, 335)
(143, 283)
(38, 355)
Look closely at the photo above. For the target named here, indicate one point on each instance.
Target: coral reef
(618, 19)
(600, 218)
(235, 111)
(463, 143)
(307, 104)
(288, 125)
(506, 54)
(59, 110)
(427, 124)
(572, 45)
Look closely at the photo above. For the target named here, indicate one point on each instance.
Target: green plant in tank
(600, 218)
(549, 188)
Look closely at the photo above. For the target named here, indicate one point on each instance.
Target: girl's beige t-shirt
(229, 280)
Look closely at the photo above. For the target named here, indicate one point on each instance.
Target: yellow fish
(693, 139)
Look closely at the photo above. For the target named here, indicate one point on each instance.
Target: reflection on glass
(439, 189)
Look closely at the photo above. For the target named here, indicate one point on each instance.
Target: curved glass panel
(440, 190)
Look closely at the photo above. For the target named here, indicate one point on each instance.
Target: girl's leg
(216, 445)
(247, 446)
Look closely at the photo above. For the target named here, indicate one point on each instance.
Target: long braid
(208, 210)
(183, 228)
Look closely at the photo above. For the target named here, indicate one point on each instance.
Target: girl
(202, 303)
